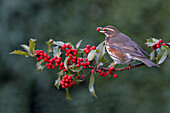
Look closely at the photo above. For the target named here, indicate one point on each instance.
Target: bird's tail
(148, 62)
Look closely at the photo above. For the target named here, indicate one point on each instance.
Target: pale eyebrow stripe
(110, 29)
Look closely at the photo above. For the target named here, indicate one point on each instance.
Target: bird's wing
(126, 45)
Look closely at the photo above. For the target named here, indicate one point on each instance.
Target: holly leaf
(91, 86)
(56, 51)
(58, 43)
(57, 82)
(65, 63)
(100, 51)
(39, 65)
(32, 44)
(151, 41)
(152, 55)
(91, 55)
(161, 57)
(166, 48)
(49, 43)
(67, 94)
(78, 44)
(103, 60)
(26, 48)
(19, 52)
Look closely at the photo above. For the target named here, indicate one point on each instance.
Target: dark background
(23, 90)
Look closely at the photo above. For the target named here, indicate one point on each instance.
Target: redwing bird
(122, 49)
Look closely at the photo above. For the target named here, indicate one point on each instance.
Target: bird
(122, 49)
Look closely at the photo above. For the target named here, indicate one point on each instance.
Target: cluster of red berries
(89, 48)
(105, 73)
(51, 62)
(158, 44)
(67, 81)
(72, 55)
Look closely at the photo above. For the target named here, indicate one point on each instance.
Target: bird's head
(108, 30)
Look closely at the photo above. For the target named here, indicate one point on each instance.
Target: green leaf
(76, 69)
(91, 55)
(162, 58)
(65, 63)
(39, 65)
(166, 48)
(56, 51)
(26, 48)
(32, 44)
(103, 60)
(152, 55)
(19, 52)
(57, 82)
(78, 44)
(49, 43)
(100, 51)
(91, 86)
(151, 41)
(58, 43)
(67, 94)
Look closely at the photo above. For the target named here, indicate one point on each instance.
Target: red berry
(65, 76)
(74, 53)
(64, 70)
(50, 64)
(86, 60)
(78, 76)
(163, 44)
(60, 68)
(41, 51)
(98, 29)
(82, 64)
(99, 71)
(84, 49)
(73, 83)
(63, 86)
(82, 76)
(38, 59)
(111, 69)
(74, 57)
(93, 47)
(41, 57)
(100, 74)
(67, 45)
(88, 46)
(54, 58)
(45, 54)
(106, 74)
(78, 65)
(160, 41)
(48, 57)
(70, 55)
(115, 75)
(81, 59)
(88, 63)
(49, 67)
(92, 71)
(67, 80)
(45, 59)
(69, 77)
(37, 51)
(84, 67)
(62, 83)
(158, 46)
(154, 47)
(59, 58)
(87, 51)
(56, 64)
(41, 54)
(52, 67)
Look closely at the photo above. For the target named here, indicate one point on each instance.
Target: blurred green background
(23, 90)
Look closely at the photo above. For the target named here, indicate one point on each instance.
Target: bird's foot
(129, 67)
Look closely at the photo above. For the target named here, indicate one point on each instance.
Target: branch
(118, 69)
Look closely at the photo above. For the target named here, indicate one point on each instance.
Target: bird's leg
(112, 65)
(129, 67)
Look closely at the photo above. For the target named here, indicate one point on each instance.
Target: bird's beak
(101, 31)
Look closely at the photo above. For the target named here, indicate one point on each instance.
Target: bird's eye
(105, 29)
